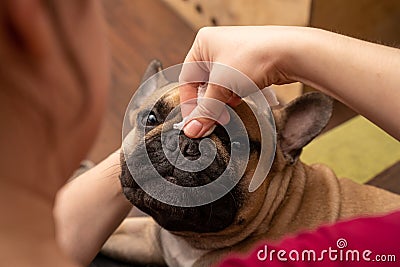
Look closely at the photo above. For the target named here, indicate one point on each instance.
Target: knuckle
(203, 31)
(202, 35)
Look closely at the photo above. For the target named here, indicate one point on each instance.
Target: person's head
(54, 76)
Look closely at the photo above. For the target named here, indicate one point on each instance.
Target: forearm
(89, 209)
(363, 75)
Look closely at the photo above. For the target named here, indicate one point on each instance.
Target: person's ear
(302, 120)
(29, 27)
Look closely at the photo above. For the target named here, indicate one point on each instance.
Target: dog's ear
(150, 86)
(155, 67)
(302, 120)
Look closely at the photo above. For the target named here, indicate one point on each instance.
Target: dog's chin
(208, 218)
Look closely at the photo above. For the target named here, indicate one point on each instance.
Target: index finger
(188, 96)
(193, 74)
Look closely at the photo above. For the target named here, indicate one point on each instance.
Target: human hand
(259, 52)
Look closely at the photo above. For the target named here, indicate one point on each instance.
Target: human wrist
(315, 57)
(298, 54)
(96, 197)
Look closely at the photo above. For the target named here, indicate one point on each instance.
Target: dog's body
(292, 198)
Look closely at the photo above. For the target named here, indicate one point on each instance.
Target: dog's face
(231, 210)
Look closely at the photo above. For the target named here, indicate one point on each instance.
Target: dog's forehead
(249, 120)
(171, 98)
(163, 100)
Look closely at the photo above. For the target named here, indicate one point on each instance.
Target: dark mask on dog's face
(211, 217)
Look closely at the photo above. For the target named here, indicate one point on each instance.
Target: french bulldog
(293, 197)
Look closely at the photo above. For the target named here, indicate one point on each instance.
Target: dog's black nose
(189, 147)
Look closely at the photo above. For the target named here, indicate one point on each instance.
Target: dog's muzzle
(206, 218)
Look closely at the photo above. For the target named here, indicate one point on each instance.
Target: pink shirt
(372, 241)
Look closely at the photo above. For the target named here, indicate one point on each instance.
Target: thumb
(210, 109)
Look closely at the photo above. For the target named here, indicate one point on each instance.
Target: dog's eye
(151, 119)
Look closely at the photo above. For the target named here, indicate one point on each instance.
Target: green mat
(357, 149)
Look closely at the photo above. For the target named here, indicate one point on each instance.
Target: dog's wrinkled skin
(293, 197)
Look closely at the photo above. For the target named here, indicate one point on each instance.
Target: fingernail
(193, 128)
